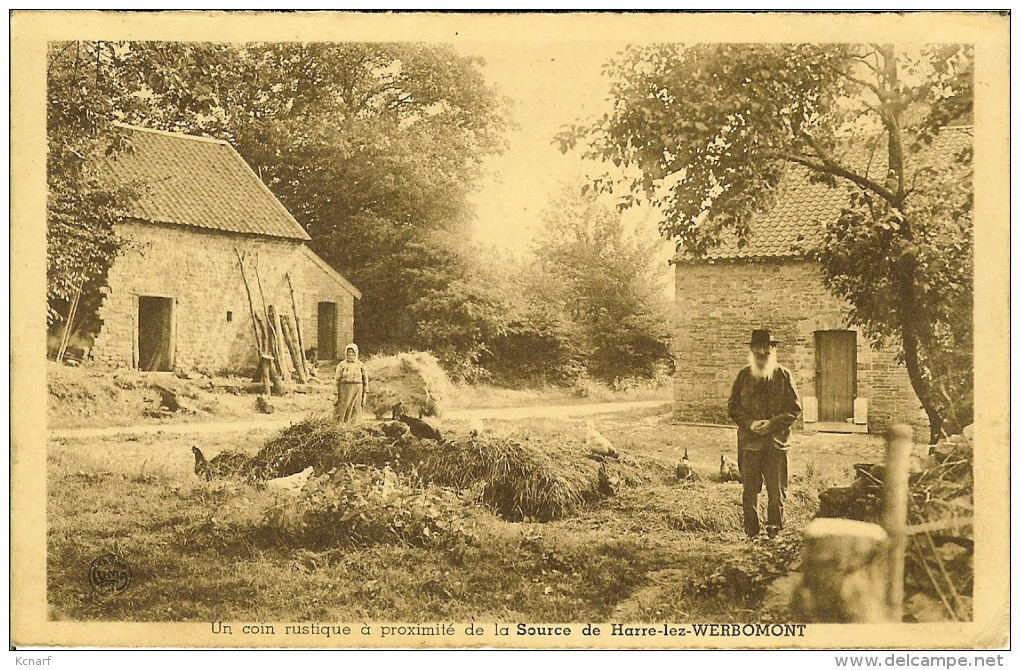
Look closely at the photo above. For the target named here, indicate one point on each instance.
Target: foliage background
(709, 131)
(374, 148)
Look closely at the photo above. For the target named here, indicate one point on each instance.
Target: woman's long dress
(350, 386)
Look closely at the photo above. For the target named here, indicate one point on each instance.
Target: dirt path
(279, 421)
(553, 411)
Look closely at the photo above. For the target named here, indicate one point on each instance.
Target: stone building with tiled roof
(176, 297)
(846, 385)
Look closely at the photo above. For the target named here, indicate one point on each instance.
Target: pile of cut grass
(520, 476)
(323, 444)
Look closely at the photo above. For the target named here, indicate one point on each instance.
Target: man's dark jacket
(774, 399)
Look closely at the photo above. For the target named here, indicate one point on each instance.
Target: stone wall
(718, 303)
(318, 287)
(199, 270)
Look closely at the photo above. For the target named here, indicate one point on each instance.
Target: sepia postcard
(607, 330)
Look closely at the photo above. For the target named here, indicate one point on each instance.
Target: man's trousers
(767, 464)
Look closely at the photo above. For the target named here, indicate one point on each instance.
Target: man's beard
(762, 371)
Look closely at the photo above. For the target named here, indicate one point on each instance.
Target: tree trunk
(267, 362)
(265, 366)
(279, 388)
(261, 337)
(845, 574)
(297, 326)
(923, 391)
(282, 365)
(290, 338)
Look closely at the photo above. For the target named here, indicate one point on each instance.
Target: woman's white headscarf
(352, 346)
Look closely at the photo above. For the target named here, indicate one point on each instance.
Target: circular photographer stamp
(109, 573)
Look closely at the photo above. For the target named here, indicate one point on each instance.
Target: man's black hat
(762, 337)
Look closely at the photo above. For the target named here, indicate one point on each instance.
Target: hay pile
(413, 379)
(322, 444)
(519, 476)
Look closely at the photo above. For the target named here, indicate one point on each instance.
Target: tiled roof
(795, 224)
(197, 181)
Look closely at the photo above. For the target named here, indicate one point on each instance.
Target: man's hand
(760, 427)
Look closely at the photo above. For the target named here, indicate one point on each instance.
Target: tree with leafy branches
(80, 211)
(607, 281)
(707, 132)
(372, 146)
(91, 87)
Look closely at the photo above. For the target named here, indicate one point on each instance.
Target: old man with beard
(764, 405)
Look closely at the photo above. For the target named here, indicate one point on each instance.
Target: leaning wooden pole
(71, 311)
(297, 327)
(272, 343)
(258, 281)
(251, 304)
(266, 370)
(262, 372)
(268, 323)
(283, 368)
(899, 441)
(290, 339)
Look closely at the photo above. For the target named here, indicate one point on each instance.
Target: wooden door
(835, 374)
(327, 331)
(156, 333)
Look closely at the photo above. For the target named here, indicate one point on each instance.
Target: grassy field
(655, 549)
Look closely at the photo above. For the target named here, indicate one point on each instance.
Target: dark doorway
(836, 374)
(327, 331)
(155, 333)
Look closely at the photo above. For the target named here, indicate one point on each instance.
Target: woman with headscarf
(351, 386)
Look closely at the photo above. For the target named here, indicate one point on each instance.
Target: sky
(551, 84)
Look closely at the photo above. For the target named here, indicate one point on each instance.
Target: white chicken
(291, 483)
(728, 470)
(597, 444)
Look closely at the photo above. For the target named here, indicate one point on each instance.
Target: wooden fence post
(899, 441)
(844, 573)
